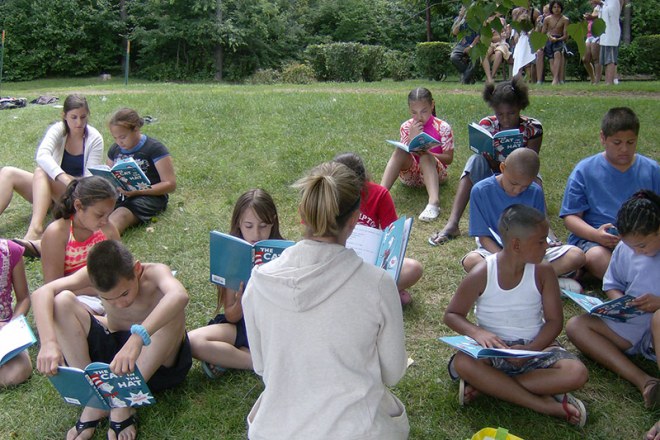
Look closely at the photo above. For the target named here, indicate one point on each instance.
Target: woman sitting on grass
(67, 150)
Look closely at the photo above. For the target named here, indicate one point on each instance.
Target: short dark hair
(518, 220)
(619, 119)
(553, 2)
(108, 262)
(514, 93)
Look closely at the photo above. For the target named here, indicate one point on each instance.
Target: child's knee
(464, 364)
(575, 373)
(576, 258)
(16, 371)
(575, 326)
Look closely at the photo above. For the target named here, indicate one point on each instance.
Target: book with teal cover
(98, 387)
(383, 248)
(497, 146)
(618, 309)
(125, 174)
(15, 337)
(232, 258)
(469, 346)
(421, 142)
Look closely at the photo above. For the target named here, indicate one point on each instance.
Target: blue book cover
(385, 249)
(15, 337)
(125, 174)
(232, 258)
(469, 346)
(497, 146)
(618, 309)
(98, 387)
(421, 142)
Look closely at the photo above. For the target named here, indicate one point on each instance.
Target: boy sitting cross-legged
(144, 326)
(515, 184)
(517, 305)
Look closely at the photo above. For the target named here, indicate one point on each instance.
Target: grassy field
(225, 139)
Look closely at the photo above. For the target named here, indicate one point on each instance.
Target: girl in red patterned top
(81, 221)
(423, 168)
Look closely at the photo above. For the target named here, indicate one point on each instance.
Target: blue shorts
(609, 55)
(241, 331)
(552, 47)
(103, 345)
(585, 245)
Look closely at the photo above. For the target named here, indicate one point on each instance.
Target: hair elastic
(137, 329)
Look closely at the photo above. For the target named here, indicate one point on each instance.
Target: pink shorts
(413, 176)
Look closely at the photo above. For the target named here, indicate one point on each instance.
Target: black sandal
(31, 250)
(83, 426)
(118, 427)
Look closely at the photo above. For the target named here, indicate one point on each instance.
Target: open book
(498, 146)
(15, 337)
(469, 346)
(421, 142)
(386, 248)
(98, 387)
(125, 174)
(233, 258)
(618, 309)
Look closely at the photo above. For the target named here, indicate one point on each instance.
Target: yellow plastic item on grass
(494, 434)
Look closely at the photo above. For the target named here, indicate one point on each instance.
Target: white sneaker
(569, 284)
(430, 213)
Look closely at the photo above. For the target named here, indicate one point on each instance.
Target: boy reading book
(144, 326)
(492, 195)
(517, 305)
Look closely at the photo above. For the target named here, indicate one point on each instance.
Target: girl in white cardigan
(66, 151)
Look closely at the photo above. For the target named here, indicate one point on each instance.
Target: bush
(264, 76)
(648, 54)
(399, 65)
(628, 58)
(344, 62)
(315, 56)
(432, 60)
(296, 73)
(574, 67)
(373, 58)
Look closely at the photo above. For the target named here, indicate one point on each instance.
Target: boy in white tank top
(517, 305)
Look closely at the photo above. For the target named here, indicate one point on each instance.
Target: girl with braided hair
(633, 270)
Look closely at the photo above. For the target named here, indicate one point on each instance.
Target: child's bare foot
(572, 409)
(33, 235)
(86, 424)
(123, 424)
(651, 393)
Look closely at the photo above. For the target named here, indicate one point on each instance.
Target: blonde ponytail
(329, 194)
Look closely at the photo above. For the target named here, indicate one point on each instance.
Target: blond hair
(330, 193)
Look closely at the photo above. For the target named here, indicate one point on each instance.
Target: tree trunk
(218, 53)
(627, 7)
(123, 15)
(429, 35)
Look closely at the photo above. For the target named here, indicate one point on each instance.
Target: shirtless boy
(556, 27)
(144, 326)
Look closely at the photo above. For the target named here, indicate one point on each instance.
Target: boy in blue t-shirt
(515, 185)
(600, 184)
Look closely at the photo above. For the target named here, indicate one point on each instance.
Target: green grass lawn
(226, 139)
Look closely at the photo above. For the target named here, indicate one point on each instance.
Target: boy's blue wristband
(137, 329)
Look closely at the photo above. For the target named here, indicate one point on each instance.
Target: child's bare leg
(14, 179)
(122, 218)
(595, 339)
(571, 261)
(411, 272)
(458, 206)
(428, 166)
(564, 376)
(486, 66)
(597, 260)
(72, 323)
(497, 60)
(555, 65)
(400, 160)
(16, 371)
(488, 380)
(215, 344)
(471, 260)
(41, 200)
(539, 65)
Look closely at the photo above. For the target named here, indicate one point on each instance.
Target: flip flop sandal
(212, 371)
(453, 374)
(568, 399)
(440, 238)
(31, 250)
(83, 426)
(118, 427)
(654, 393)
